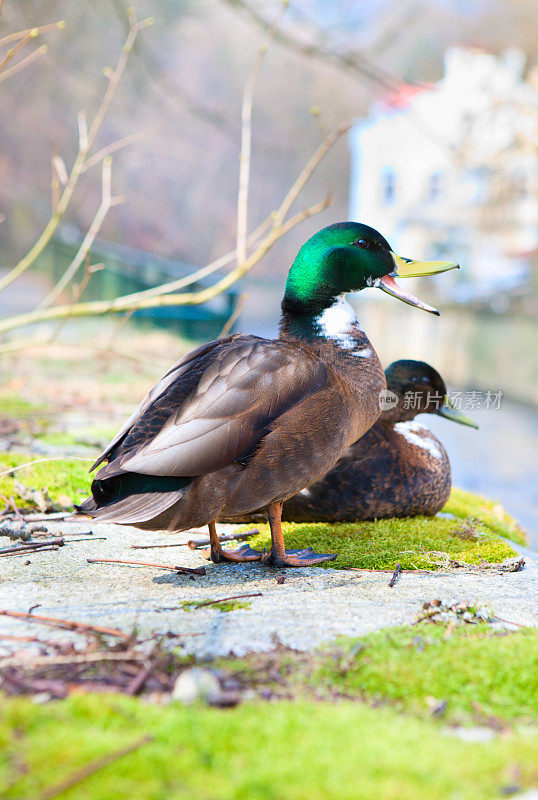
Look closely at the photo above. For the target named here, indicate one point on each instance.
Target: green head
(348, 257)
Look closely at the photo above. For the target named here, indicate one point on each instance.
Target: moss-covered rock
(415, 542)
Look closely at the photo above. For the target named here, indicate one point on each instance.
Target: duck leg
(279, 556)
(217, 554)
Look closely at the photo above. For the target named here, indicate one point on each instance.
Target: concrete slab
(312, 606)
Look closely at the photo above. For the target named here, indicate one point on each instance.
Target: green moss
(466, 504)
(226, 605)
(274, 751)
(65, 481)
(380, 545)
(474, 669)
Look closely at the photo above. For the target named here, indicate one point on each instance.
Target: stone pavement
(312, 606)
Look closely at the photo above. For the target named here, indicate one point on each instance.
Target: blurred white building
(451, 170)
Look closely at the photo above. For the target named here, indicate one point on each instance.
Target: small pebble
(196, 684)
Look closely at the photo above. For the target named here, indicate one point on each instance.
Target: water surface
(499, 460)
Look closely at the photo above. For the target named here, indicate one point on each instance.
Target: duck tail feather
(88, 507)
(132, 509)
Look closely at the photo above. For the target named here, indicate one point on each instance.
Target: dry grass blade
(94, 766)
(226, 599)
(42, 461)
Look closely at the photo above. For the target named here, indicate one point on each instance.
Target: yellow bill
(407, 268)
(448, 411)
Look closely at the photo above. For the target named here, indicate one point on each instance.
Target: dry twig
(79, 627)
(226, 537)
(181, 570)
(10, 53)
(72, 659)
(29, 546)
(137, 683)
(395, 574)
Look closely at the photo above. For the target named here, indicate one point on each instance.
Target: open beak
(447, 410)
(406, 268)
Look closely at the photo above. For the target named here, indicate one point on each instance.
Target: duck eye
(361, 243)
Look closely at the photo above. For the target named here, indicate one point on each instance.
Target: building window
(388, 186)
(434, 187)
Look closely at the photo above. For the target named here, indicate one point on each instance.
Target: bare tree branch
(203, 272)
(85, 145)
(24, 62)
(10, 53)
(350, 61)
(234, 316)
(37, 31)
(78, 291)
(82, 131)
(156, 297)
(246, 137)
(119, 144)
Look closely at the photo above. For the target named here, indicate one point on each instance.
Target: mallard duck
(243, 423)
(396, 469)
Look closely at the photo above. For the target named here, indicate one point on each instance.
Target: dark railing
(128, 270)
